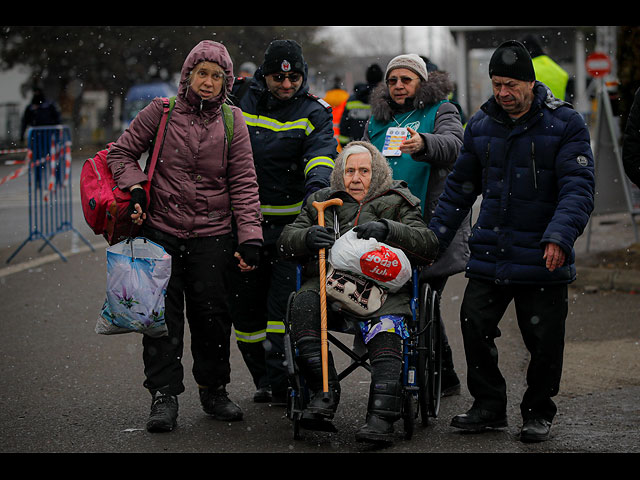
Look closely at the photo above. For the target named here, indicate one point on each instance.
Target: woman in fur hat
(414, 98)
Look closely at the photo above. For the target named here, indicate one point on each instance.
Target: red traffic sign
(598, 64)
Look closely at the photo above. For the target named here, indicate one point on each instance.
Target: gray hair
(381, 173)
(350, 150)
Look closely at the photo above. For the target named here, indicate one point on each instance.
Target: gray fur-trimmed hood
(381, 173)
(436, 88)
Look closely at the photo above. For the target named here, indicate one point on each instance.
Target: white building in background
(464, 52)
(358, 46)
(12, 103)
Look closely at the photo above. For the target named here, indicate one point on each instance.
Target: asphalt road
(66, 389)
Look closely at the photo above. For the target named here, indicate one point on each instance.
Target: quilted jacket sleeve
(462, 188)
(243, 183)
(576, 186)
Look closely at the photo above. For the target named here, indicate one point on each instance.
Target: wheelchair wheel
(429, 354)
(295, 400)
(298, 392)
(434, 339)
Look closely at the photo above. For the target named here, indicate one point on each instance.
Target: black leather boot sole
(478, 420)
(535, 430)
(376, 430)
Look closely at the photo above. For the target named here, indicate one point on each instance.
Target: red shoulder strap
(159, 140)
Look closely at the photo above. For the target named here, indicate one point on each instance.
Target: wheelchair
(421, 365)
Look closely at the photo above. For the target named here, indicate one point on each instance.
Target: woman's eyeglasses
(279, 77)
(405, 80)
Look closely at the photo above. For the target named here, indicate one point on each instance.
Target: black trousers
(258, 305)
(541, 311)
(199, 282)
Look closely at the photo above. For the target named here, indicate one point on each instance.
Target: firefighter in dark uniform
(294, 150)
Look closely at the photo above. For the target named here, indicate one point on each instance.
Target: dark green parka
(386, 200)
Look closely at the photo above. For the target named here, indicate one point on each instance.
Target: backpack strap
(167, 107)
(228, 122)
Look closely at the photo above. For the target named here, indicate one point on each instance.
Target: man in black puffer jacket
(528, 154)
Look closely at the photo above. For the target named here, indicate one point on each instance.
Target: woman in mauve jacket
(202, 182)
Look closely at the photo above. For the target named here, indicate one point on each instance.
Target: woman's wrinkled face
(357, 175)
(207, 80)
(402, 84)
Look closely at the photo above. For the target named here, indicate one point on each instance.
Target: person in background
(294, 151)
(528, 154)
(337, 98)
(414, 98)
(247, 69)
(200, 183)
(548, 71)
(39, 112)
(242, 81)
(357, 110)
(431, 67)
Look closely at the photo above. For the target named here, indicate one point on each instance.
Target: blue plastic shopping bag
(138, 272)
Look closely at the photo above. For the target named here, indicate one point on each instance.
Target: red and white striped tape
(57, 150)
(52, 169)
(21, 171)
(67, 163)
(7, 151)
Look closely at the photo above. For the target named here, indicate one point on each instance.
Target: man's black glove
(138, 195)
(377, 230)
(319, 237)
(250, 253)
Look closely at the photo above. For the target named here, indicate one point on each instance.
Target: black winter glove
(319, 237)
(250, 253)
(377, 230)
(138, 195)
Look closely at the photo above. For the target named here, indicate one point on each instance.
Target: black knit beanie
(283, 56)
(511, 59)
(374, 74)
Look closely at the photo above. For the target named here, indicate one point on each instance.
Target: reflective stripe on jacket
(293, 147)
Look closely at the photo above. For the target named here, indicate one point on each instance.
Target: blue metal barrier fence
(50, 186)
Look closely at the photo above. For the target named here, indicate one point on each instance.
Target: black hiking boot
(217, 404)
(377, 429)
(164, 413)
(262, 395)
(385, 406)
(320, 403)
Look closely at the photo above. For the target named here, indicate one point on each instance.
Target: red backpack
(104, 205)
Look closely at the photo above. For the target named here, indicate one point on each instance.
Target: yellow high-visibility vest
(552, 75)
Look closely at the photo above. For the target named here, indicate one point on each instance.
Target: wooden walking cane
(324, 347)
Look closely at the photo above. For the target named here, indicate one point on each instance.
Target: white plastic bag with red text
(385, 265)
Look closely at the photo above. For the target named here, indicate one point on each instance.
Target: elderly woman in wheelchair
(376, 206)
